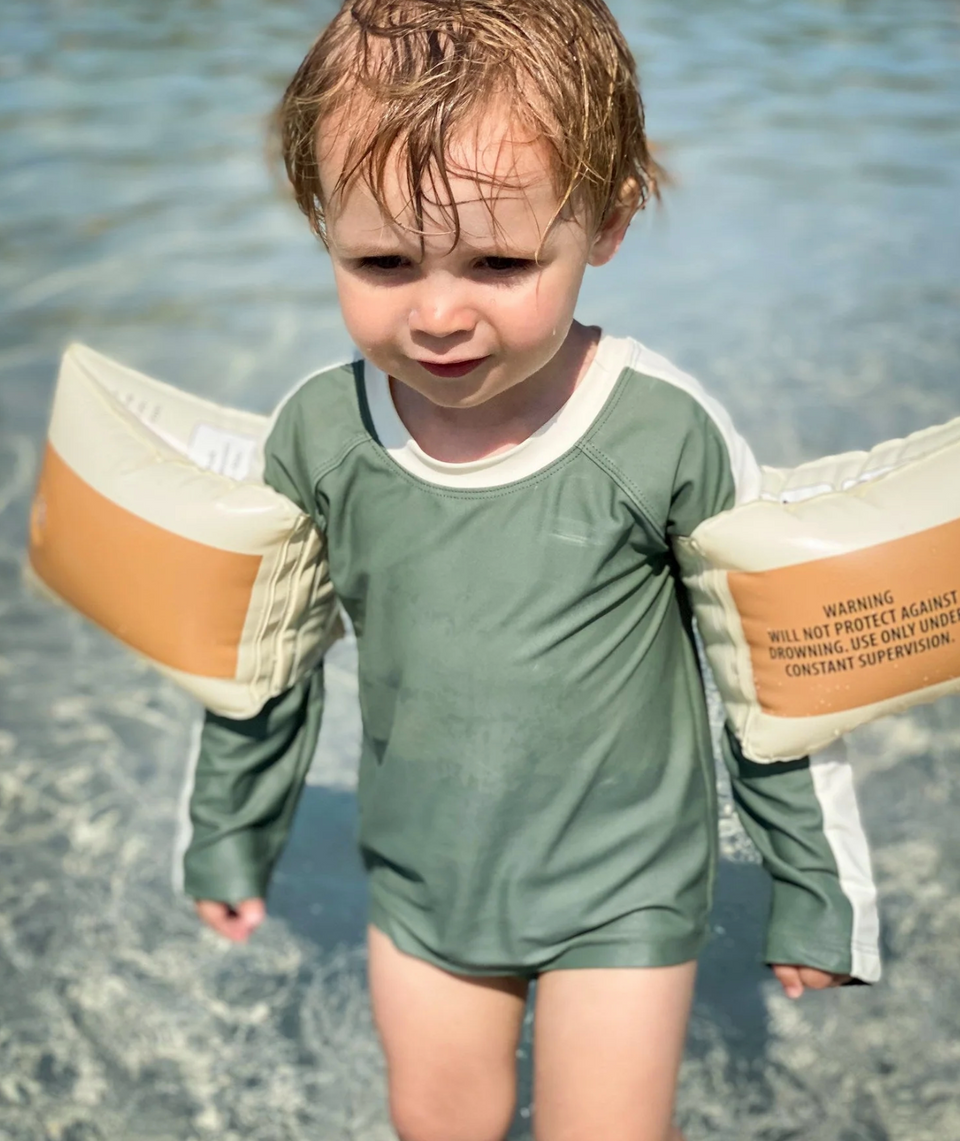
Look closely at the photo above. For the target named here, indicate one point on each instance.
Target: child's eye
(505, 267)
(384, 263)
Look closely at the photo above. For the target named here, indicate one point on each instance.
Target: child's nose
(440, 310)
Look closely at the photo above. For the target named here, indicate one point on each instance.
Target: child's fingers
(235, 922)
(819, 980)
(252, 912)
(222, 918)
(794, 979)
(790, 979)
(216, 915)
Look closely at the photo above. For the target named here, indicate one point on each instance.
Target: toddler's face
(462, 324)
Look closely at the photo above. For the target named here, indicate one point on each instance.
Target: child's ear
(607, 239)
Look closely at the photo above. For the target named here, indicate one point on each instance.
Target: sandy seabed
(805, 267)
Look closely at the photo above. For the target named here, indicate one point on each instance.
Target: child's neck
(460, 435)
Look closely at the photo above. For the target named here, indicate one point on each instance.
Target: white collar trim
(538, 451)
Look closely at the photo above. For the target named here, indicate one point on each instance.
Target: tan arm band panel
(834, 598)
(151, 519)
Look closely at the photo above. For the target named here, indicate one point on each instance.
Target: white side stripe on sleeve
(743, 463)
(184, 831)
(833, 784)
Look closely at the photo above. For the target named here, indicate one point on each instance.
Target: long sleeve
(248, 780)
(803, 818)
(801, 815)
(249, 775)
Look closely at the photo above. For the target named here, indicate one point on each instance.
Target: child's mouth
(456, 368)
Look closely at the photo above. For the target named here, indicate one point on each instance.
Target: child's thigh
(607, 1050)
(450, 1044)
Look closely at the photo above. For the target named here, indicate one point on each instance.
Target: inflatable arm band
(834, 598)
(151, 518)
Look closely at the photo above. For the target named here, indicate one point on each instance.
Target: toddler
(499, 487)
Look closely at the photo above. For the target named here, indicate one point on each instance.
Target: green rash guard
(536, 784)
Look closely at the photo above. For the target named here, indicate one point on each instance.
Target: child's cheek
(538, 318)
(365, 316)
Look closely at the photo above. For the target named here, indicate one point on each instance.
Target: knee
(452, 1115)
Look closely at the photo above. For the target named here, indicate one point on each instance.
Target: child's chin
(450, 391)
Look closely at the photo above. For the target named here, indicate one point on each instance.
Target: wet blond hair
(410, 75)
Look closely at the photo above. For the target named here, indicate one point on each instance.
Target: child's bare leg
(607, 1050)
(450, 1044)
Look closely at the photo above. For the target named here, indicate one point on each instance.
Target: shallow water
(806, 266)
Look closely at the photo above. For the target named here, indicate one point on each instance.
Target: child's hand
(795, 979)
(233, 921)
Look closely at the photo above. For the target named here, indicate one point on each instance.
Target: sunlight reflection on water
(806, 266)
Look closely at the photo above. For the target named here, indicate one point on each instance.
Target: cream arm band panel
(834, 597)
(151, 519)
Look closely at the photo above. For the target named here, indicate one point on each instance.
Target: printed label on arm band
(854, 629)
(226, 453)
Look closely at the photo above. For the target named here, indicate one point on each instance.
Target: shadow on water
(731, 975)
(319, 888)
